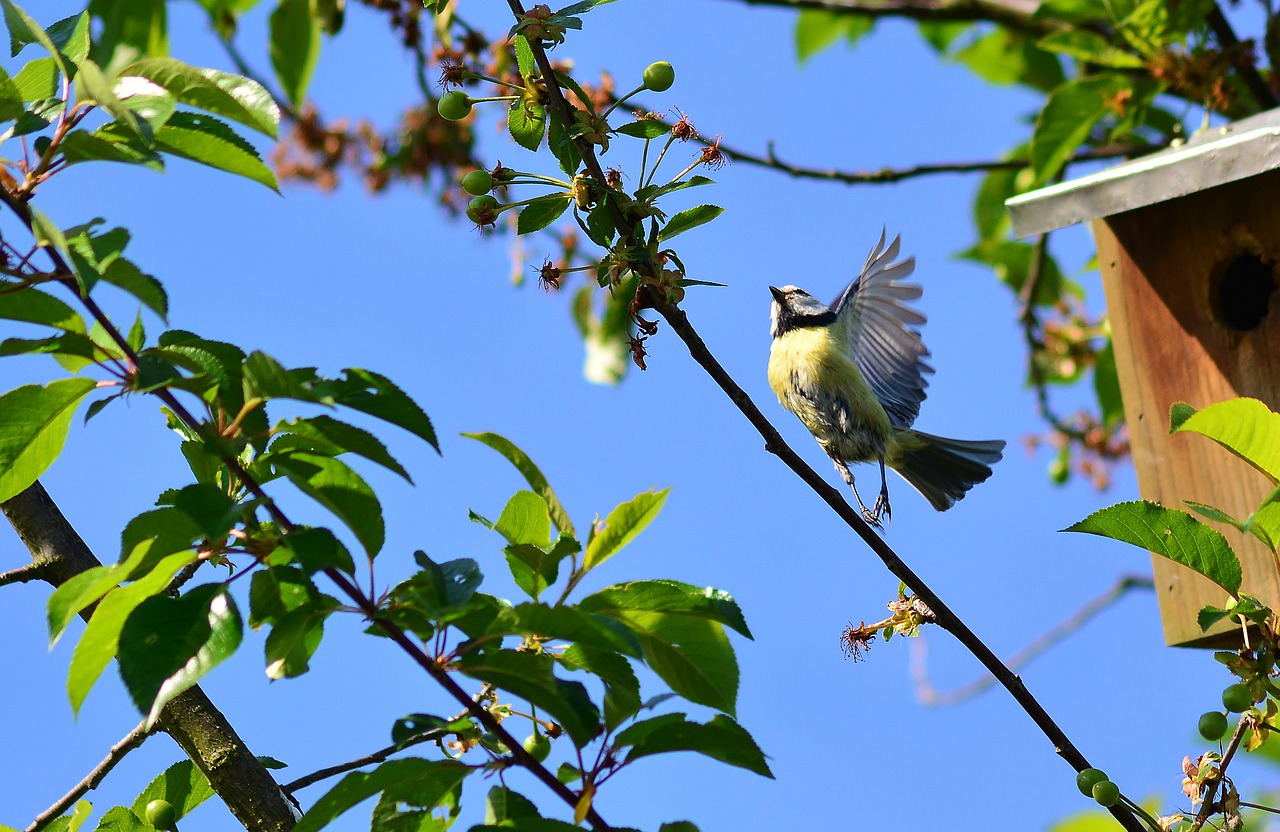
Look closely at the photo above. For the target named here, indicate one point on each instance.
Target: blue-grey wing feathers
(883, 334)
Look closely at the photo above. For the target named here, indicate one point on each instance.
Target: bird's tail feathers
(942, 469)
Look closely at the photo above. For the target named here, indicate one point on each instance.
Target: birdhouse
(1188, 245)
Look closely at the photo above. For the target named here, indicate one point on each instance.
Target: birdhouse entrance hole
(1244, 291)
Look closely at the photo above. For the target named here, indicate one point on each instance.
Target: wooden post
(1189, 284)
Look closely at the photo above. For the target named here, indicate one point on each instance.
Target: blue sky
(390, 284)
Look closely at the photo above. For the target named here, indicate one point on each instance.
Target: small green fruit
(161, 814)
(454, 106)
(1106, 793)
(1086, 780)
(538, 746)
(659, 76)
(481, 210)
(1213, 725)
(1059, 472)
(1236, 698)
(477, 183)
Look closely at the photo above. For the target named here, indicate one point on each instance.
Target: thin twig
(34, 571)
(929, 695)
(1207, 807)
(117, 753)
(1015, 15)
(369, 759)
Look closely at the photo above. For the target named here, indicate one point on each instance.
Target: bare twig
(369, 759)
(1211, 792)
(931, 696)
(31, 572)
(117, 753)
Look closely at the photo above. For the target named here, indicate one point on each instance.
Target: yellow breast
(814, 377)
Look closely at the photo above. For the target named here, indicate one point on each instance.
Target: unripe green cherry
(477, 183)
(1059, 472)
(454, 105)
(1086, 780)
(538, 746)
(1213, 725)
(659, 76)
(1236, 698)
(481, 210)
(1106, 793)
(161, 814)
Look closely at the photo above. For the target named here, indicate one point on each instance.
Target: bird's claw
(872, 518)
(881, 508)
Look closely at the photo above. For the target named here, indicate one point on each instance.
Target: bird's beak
(777, 293)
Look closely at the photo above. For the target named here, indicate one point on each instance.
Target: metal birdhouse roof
(1213, 157)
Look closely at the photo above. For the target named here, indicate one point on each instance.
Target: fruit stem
(615, 104)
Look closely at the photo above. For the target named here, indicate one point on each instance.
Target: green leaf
(120, 819)
(338, 436)
(526, 124)
(668, 597)
(295, 47)
(378, 396)
(417, 782)
(503, 804)
(71, 36)
(535, 568)
(621, 527)
(524, 57)
(1245, 427)
(92, 87)
(689, 218)
(1002, 57)
(37, 307)
(240, 99)
(1106, 385)
(532, 475)
(101, 640)
(137, 27)
(567, 623)
(46, 232)
(524, 519)
(23, 30)
(169, 644)
(1089, 47)
(720, 739)
(441, 591)
(335, 486)
(34, 421)
(104, 145)
(205, 139)
(817, 29)
(37, 80)
(621, 687)
(692, 655)
(645, 128)
(1068, 116)
(314, 549)
(541, 212)
(1170, 533)
(529, 676)
(10, 98)
(294, 639)
(182, 784)
(277, 591)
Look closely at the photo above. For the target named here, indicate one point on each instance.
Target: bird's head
(794, 308)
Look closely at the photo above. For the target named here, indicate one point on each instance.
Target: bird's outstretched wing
(882, 332)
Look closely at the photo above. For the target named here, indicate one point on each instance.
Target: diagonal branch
(1258, 87)
(117, 753)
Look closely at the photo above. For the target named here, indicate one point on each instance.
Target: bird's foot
(872, 518)
(881, 508)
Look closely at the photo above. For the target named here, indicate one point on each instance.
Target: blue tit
(854, 374)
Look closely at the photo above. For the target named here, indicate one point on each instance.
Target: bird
(854, 373)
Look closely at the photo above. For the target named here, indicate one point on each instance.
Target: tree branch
(931, 696)
(1015, 15)
(117, 753)
(946, 618)
(190, 718)
(30, 572)
(369, 759)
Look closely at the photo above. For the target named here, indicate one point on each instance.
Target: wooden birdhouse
(1188, 245)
